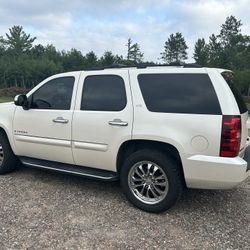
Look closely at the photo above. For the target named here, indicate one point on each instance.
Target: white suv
(157, 129)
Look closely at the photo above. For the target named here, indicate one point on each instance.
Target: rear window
(229, 78)
(179, 93)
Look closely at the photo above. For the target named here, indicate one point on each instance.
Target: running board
(92, 173)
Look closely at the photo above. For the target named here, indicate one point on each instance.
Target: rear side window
(103, 93)
(229, 78)
(179, 93)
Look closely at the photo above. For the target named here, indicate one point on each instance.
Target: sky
(106, 25)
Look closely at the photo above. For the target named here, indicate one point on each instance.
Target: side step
(92, 173)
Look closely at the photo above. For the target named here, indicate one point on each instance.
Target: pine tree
(201, 52)
(2, 46)
(134, 52)
(215, 49)
(229, 30)
(90, 60)
(175, 49)
(18, 41)
(108, 59)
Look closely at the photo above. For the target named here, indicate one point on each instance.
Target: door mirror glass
(21, 100)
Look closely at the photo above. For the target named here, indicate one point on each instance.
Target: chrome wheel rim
(1, 154)
(148, 182)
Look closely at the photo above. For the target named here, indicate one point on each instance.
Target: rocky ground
(45, 210)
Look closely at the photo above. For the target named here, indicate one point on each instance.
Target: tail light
(230, 136)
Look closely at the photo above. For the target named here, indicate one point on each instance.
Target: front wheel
(8, 161)
(151, 180)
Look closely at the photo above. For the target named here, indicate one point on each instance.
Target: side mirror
(21, 100)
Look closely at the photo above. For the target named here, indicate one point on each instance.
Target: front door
(44, 131)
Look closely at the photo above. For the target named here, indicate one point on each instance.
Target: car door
(44, 130)
(102, 119)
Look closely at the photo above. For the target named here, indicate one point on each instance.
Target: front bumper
(211, 172)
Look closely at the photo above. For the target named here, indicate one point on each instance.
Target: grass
(6, 99)
(248, 106)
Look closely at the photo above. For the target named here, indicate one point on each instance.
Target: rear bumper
(211, 172)
(246, 154)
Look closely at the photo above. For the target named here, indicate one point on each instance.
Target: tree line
(23, 64)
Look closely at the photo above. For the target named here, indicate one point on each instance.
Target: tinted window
(229, 77)
(103, 93)
(179, 93)
(55, 94)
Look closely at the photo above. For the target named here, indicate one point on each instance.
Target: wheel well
(3, 132)
(132, 146)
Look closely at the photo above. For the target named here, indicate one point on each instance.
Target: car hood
(4, 104)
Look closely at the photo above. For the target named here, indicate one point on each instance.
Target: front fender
(7, 111)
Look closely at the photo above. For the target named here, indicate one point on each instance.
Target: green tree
(4, 67)
(234, 44)
(229, 30)
(90, 60)
(175, 49)
(242, 81)
(37, 51)
(214, 48)
(51, 53)
(108, 59)
(241, 59)
(201, 52)
(73, 60)
(134, 52)
(230, 49)
(18, 41)
(129, 45)
(2, 46)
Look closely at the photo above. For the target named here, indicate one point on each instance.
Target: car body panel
(36, 135)
(95, 142)
(89, 140)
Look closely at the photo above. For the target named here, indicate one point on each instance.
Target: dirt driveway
(45, 210)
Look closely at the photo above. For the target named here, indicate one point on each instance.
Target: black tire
(9, 162)
(171, 170)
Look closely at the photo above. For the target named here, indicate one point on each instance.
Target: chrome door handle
(118, 122)
(60, 120)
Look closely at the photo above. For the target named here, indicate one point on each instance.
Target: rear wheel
(8, 161)
(151, 180)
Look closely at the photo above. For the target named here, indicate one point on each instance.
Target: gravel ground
(46, 210)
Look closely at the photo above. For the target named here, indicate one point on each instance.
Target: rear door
(102, 119)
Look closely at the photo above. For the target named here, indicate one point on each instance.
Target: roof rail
(114, 66)
(192, 65)
(145, 65)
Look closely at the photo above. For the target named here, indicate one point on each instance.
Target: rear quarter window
(229, 78)
(179, 93)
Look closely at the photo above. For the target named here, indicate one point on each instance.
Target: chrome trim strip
(91, 146)
(66, 171)
(41, 140)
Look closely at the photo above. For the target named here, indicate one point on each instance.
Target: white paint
(89, 140)
(199, 143)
